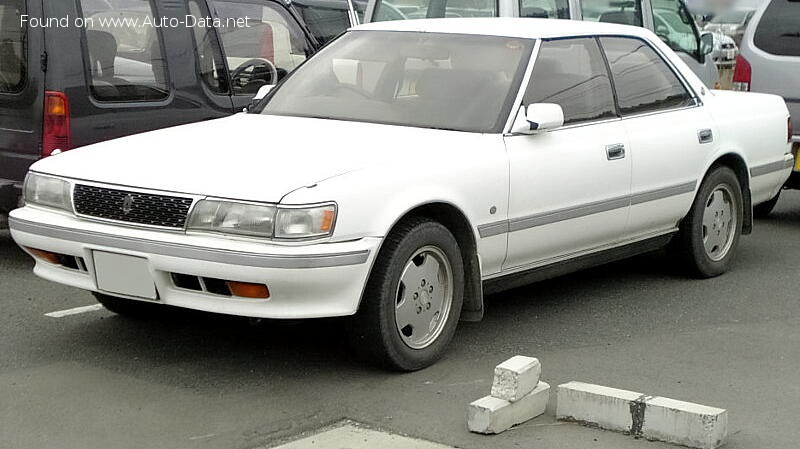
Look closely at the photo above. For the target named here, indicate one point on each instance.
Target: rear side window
(12, 46)
(572, 74)
(613, 11)
(544, 9)
(433, 9)
(643, 81)
(778, 30)
(124, 51)
(326, 19)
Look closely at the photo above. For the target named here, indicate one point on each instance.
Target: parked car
(725, 50)
(732, 23)
(669, 19)
(66, 87)
(489, 153)
(769, 62)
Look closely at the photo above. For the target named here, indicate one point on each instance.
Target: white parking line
(75, 311)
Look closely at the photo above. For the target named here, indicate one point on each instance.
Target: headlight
(47, 191)
(260, 220)
(233, 218)
(305, 222)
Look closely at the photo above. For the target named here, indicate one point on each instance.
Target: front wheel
(412, 302)
(710, 233)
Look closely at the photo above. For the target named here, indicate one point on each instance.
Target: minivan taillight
(742, 74)
(56, 132)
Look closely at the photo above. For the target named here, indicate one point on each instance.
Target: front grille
(131, 207)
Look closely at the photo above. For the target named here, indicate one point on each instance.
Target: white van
(669, 19)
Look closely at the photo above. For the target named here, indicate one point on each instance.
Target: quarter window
(778, 30)
(674, 25)
(262, 43)
(572, 74)
(613, 11)
(642, 79)
(544, 9)
(125, 58)
(211, 67)
(12, 46)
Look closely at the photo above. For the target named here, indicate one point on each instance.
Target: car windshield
(428, 80)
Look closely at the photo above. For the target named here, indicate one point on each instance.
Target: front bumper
(307, 281)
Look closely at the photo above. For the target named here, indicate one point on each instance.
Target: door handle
(615, 151)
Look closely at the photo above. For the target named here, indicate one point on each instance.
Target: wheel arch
(736, 162)
(456, 221)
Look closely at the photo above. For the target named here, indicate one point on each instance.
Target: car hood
(247, 156)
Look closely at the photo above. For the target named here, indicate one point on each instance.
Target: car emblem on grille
(127, 204)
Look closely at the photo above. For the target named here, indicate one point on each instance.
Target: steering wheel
(253, 63)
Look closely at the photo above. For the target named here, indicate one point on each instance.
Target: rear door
(776, 40)
(21, 93)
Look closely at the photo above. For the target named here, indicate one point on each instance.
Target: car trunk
(21, 95)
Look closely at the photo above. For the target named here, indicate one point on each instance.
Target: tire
(402, 292)
(128, 308)
(709, 234)
(764, 209)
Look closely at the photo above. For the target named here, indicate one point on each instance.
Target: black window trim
(140, 103)
(696, 100)
(225, 75)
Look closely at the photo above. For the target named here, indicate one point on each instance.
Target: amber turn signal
(47, 256)
(247, 290)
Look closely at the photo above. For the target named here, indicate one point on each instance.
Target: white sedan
(408, 169)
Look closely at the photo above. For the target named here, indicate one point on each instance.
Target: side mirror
(538, 117)
(263, 91)
(706, 43)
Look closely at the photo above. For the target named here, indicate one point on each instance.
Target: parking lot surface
(191, 380)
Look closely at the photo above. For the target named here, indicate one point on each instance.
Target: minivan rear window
(124, 51)
(12, 46)
(778, 30)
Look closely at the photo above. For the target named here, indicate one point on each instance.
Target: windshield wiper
(795, 34)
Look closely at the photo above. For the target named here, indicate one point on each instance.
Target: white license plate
(126, 275)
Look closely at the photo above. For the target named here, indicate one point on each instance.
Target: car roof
(527, 28)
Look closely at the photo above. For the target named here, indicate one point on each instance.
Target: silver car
(669, 19)
(769, 62)
(731, 23)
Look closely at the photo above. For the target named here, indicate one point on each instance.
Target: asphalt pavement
(193, 380)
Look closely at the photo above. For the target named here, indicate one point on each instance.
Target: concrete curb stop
(517, 396)
(651, 417)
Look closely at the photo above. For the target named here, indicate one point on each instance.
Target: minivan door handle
(615, 151)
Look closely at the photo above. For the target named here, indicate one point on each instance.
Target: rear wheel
(764, 209)
(127, 307)
(413, 298)
(710, 233)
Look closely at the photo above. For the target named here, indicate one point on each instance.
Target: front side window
(572, 74)
(262, 43)
(124, 51)
(544, 9)
(778, 30)
(12, 46)
(613, 11)
(327, 19)
(427, 80)
(643, 81)
(433, 9)
(674, 25)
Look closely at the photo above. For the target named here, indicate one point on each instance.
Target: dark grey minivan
(76, 72)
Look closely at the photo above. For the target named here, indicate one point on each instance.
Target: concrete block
(516, 377)
(493, 415)
(685, 423)
(654, 418)
(596, 405)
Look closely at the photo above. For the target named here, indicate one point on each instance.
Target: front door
(570, 186)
